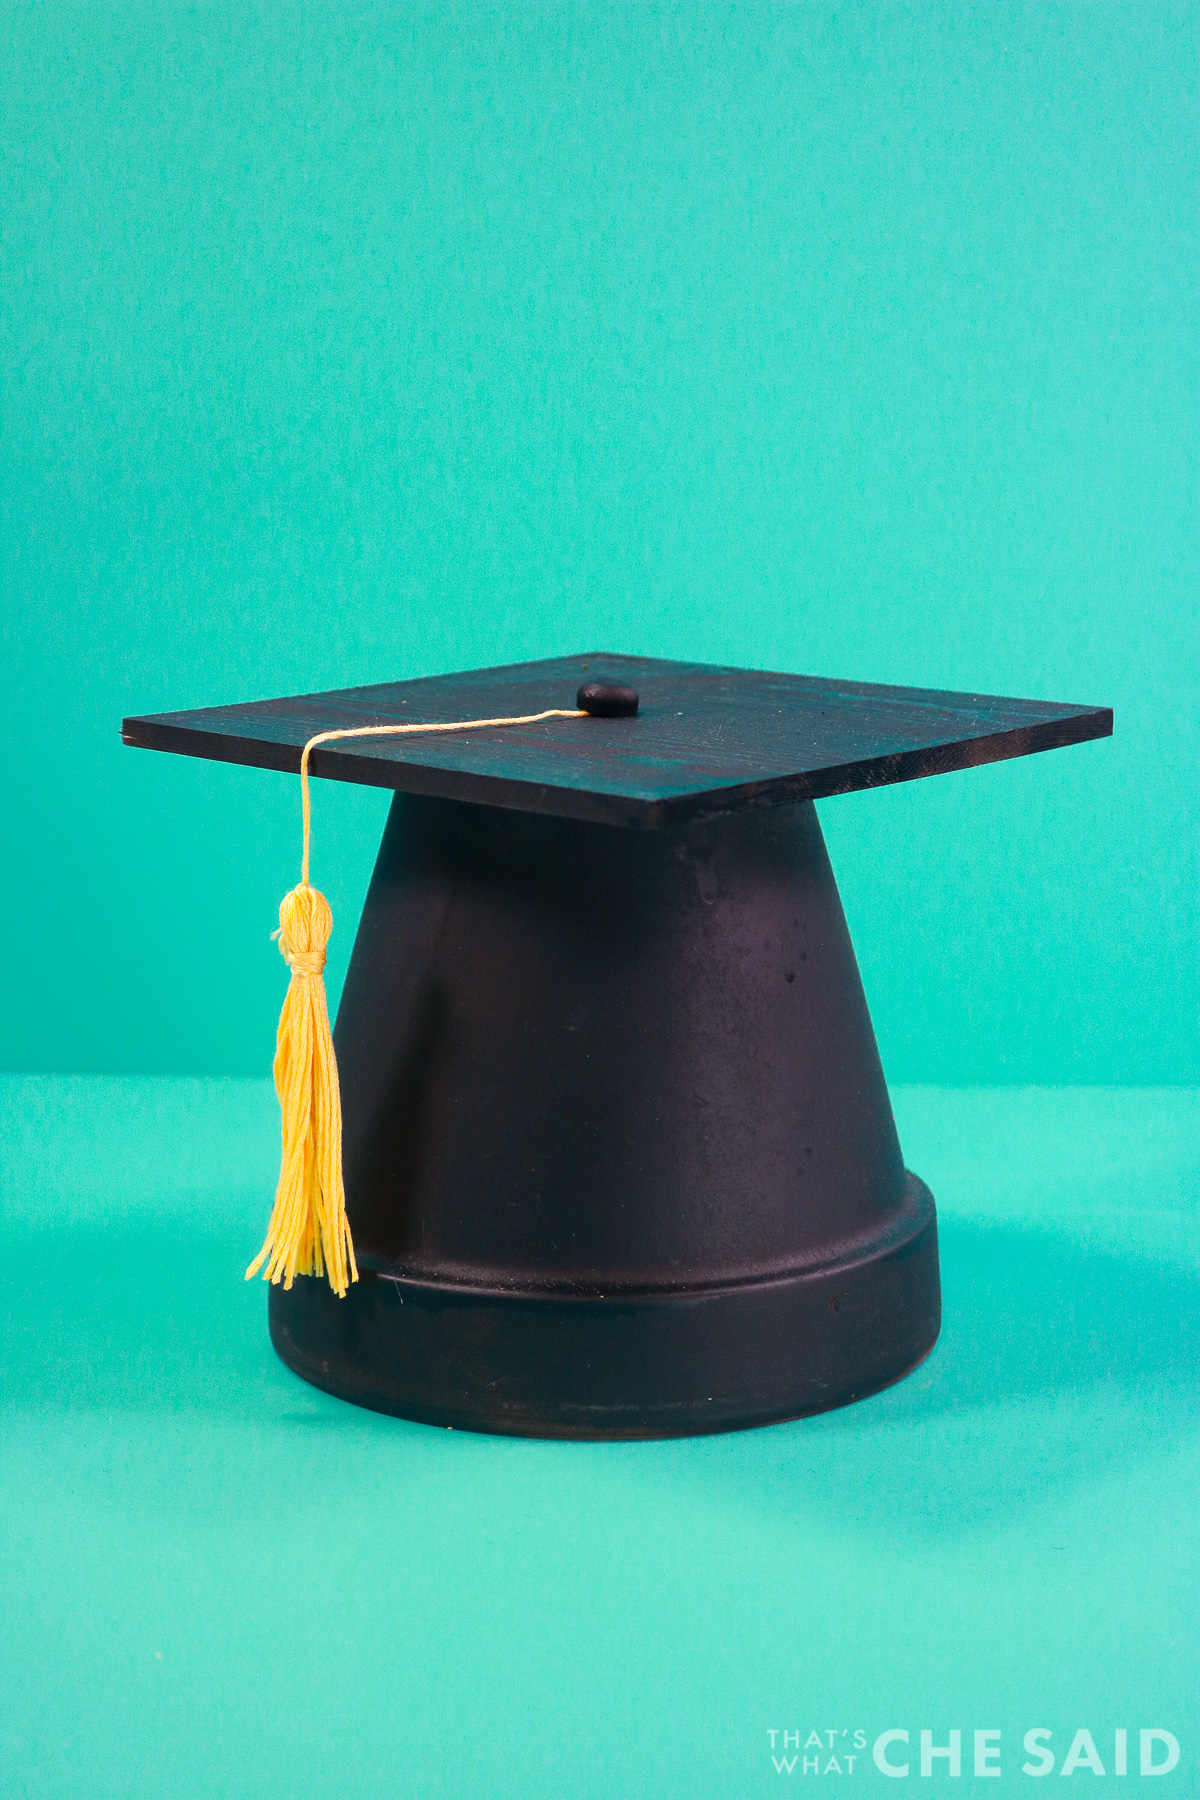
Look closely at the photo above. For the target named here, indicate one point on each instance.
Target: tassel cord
(309, 1233)
(408, 729)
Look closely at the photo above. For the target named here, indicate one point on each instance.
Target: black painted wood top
(705, 740)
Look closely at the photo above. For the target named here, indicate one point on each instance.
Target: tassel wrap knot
(305, 924)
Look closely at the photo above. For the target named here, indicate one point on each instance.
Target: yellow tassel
(309, 1233)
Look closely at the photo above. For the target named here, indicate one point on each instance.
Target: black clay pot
(620, 1160)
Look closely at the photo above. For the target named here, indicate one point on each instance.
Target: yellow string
(309, 1233)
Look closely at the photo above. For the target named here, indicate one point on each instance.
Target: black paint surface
(706, 739)
(619, 1155)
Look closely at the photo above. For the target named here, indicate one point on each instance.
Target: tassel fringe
(308, 1233)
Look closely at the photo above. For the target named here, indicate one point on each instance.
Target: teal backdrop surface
(347, 344)
(220, 1583)
(351, 344)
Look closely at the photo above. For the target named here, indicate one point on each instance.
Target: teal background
(351, 344)
(345, 345)
(219, 1582)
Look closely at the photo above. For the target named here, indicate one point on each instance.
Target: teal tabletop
(220, 1582)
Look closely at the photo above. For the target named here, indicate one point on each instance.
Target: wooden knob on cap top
(606, 702)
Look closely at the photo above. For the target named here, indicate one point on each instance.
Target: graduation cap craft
(614, 1141)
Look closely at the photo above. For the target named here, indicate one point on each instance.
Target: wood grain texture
(706, 739)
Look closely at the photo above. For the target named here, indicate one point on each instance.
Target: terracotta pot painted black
(620, 1160)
